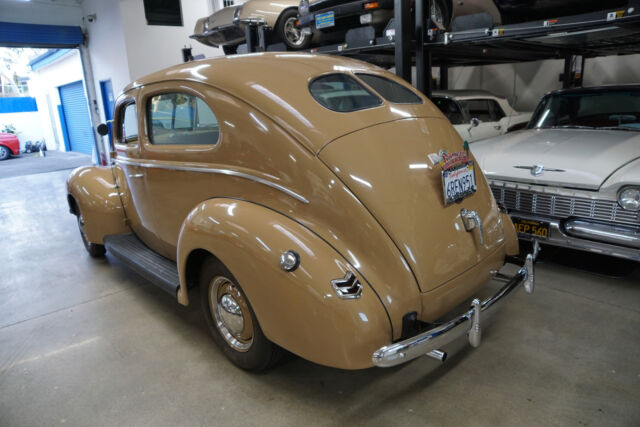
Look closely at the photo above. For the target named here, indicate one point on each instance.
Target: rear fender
(297, 310)
(94, 195)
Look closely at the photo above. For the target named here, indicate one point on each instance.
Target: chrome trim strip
(467, 323)
(605, 233)
(219, 171)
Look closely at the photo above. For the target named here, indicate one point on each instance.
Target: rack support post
(250, 34)
(402, 38)
(444, 77)
(423, 55)
(567, 79)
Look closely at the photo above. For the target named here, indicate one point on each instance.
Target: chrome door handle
(497, 127)
(471, 221)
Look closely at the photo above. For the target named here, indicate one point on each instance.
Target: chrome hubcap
(230, 313)
(293, 34)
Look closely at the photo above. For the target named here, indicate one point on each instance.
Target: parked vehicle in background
(477, 114)
(305, 208)
(9, 145)
(226, 27)
(572, 178)
(331, 19)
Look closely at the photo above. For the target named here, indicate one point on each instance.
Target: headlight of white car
(629, 198)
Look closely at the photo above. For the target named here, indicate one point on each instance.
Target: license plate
(533, 228)
(458, 182)
(325, 20)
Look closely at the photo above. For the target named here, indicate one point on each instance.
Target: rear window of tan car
(342, 93)
(181, 119)
(390, 90)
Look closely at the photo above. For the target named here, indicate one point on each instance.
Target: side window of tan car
(181, 119)
(130, 124)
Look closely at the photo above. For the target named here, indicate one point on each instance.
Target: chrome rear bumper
(428, 343)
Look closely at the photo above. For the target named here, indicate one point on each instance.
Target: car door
(480, 109)
(128, 169)
(179, 143)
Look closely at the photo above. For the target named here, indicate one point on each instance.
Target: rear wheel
(94, 249)
(4, 152)
(232, 321)
(291, 35)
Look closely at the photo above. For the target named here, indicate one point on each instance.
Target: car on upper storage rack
(572, 178)
(226, 27)
(331, 19)
(9, 145)
(332, 213)
(478, 114)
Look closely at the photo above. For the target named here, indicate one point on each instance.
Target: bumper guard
(428, 342)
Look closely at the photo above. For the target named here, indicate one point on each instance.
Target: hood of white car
(576, 158)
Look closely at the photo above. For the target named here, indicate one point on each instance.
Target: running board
(128, 249)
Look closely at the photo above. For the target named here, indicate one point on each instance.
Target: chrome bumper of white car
(606, 239)
(428, 343)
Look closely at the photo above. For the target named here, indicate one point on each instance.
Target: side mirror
(103, 129)
(474, 123)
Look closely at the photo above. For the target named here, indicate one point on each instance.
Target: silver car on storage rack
(573, 177)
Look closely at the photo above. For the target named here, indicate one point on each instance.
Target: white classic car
(573, 177)
(477, 114)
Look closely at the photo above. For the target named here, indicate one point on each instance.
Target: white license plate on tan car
(458, 182)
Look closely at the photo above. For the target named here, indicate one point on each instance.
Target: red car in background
(9, 145)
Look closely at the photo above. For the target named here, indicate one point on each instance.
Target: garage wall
(525, 83)
(151, 47)
(106, 45)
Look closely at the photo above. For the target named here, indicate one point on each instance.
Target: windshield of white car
(615, 109)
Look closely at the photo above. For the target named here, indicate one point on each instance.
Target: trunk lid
(388, 168)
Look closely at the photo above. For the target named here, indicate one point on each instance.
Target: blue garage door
(76, 117)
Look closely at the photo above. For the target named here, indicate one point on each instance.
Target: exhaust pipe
(438, 355)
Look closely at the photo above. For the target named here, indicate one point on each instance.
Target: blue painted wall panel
(18, 104)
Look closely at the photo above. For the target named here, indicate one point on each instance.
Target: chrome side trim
(219, 171)
(468, 323)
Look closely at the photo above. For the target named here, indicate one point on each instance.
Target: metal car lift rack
(602, 33)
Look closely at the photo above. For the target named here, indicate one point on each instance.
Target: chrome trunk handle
(471, 220)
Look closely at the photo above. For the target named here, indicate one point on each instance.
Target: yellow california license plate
(533, 228)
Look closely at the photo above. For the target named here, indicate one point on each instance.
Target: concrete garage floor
(32, 163)
(87, 342)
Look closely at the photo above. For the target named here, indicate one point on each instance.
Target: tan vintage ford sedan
(322, 206)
